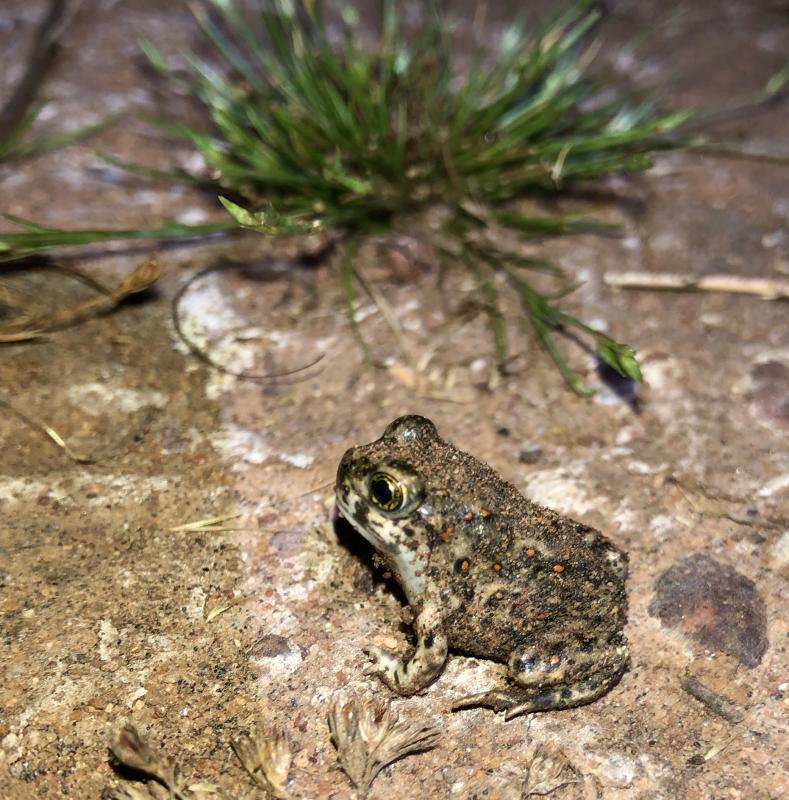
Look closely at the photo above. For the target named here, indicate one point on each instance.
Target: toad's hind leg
(557, 683)
(559, 697)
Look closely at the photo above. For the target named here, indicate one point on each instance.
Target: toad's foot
(383, 664)
(409, 677)
(514, 700)
(497, 699)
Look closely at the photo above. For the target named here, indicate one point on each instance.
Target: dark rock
(269, 646)
(530, 455)
(714, 605)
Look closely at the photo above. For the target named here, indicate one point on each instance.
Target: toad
(487, 573)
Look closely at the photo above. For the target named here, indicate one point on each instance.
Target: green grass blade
(38, 239)
(309, 128)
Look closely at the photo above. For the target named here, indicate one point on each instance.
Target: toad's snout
(342, 469)
(342, 486)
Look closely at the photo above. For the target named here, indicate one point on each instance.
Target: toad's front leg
(409, 677)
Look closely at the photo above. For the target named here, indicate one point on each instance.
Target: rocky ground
(112, 614)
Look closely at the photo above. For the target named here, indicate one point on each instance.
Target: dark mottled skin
(491, 573)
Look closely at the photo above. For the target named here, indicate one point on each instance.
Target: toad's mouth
(344, 510)
(383, 536)
(355, 514)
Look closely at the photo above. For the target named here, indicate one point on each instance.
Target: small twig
(139, 279)
(217, 610)
(766, 288)
(724, 151)
(42, 427)
(716, 749)
(22, 336)
(688, 484)
(208, 524)
(717, 703)
(754, 522)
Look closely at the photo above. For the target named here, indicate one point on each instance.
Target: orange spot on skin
(554, 659)
(464, 565)
(497, 567)
(531, 552)
(499, 595)
(558, 567)
(468, 516)
(484, 513)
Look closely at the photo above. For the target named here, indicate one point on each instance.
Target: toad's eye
(386, 492)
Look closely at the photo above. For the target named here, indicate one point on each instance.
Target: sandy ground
(111, 616)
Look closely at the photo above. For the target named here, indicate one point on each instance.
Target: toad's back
(495, 575)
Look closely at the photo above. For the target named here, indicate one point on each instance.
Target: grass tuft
(311, 130)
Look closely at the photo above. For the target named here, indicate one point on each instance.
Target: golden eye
(386, 492)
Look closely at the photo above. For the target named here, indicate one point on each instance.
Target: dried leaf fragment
(765, 288)
(549, 770)
(133, 751)
(27, 327)
(369, 736)
(216, 611)
(267, 759)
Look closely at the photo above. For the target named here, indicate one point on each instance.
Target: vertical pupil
(382, 491)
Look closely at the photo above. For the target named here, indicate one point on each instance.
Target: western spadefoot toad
(487, 573)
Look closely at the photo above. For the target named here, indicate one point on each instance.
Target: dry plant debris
(134, 752)
(367, 733)
(139, 279)
(765, 288)
(157, 792)
(722, 706)
(208, 524)
(369, 736)
(279, 377)
(47, 430)
(549, 770)
(267, 759)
